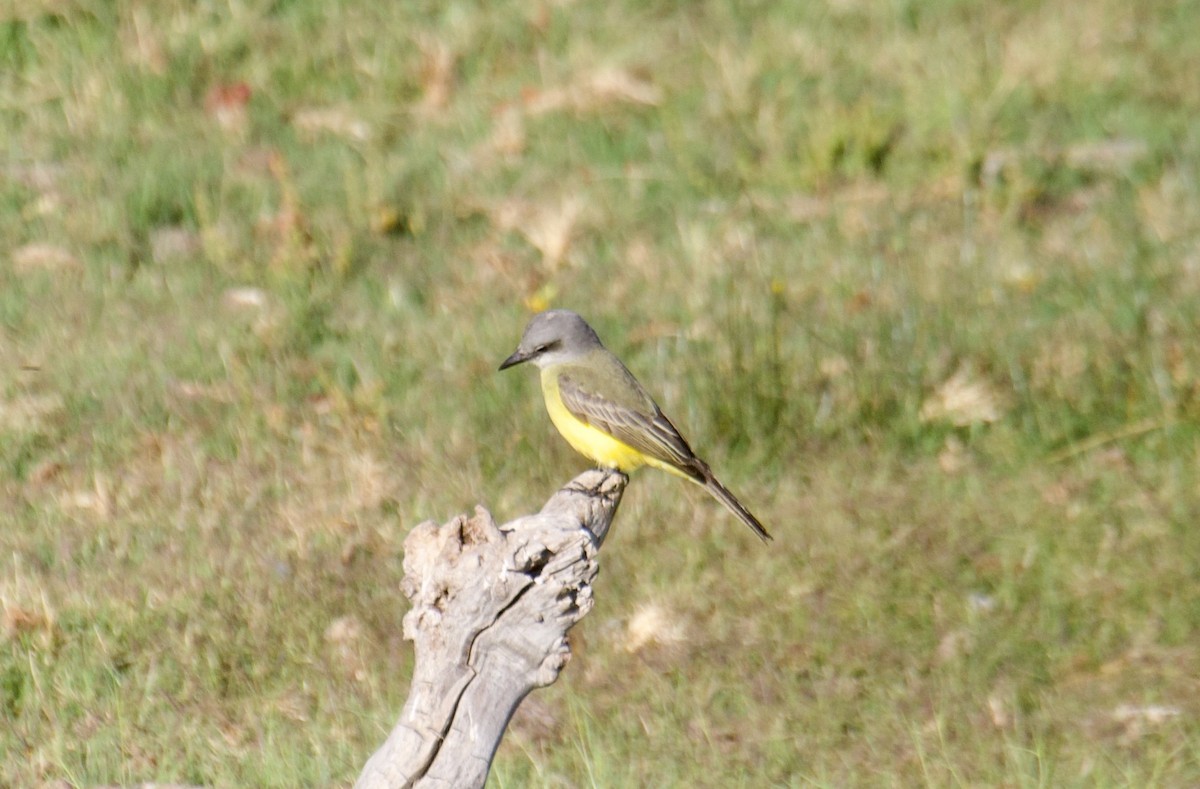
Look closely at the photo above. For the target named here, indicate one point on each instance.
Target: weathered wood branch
(491, 607)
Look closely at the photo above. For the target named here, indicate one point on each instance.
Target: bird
(605, 413)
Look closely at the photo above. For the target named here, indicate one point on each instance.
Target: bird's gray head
(552, 337)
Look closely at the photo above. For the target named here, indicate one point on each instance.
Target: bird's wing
(649, 433)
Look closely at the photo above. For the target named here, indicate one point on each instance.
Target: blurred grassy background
(919, 279)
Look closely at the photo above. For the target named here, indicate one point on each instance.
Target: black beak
(517, 357)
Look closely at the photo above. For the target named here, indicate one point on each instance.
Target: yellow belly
(596, 445)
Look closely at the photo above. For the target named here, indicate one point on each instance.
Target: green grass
(802, 227)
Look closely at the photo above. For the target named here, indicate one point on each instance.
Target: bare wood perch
(491, 607)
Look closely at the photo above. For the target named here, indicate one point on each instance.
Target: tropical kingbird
(604, 413)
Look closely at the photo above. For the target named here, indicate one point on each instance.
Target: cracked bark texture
(491, 607)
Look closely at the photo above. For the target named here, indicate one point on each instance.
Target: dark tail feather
(723, 495)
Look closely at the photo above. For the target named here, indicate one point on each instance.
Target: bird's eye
(540, 348)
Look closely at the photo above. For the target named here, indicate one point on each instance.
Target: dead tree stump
(491, 607)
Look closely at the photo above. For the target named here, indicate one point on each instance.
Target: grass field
(920, 280)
